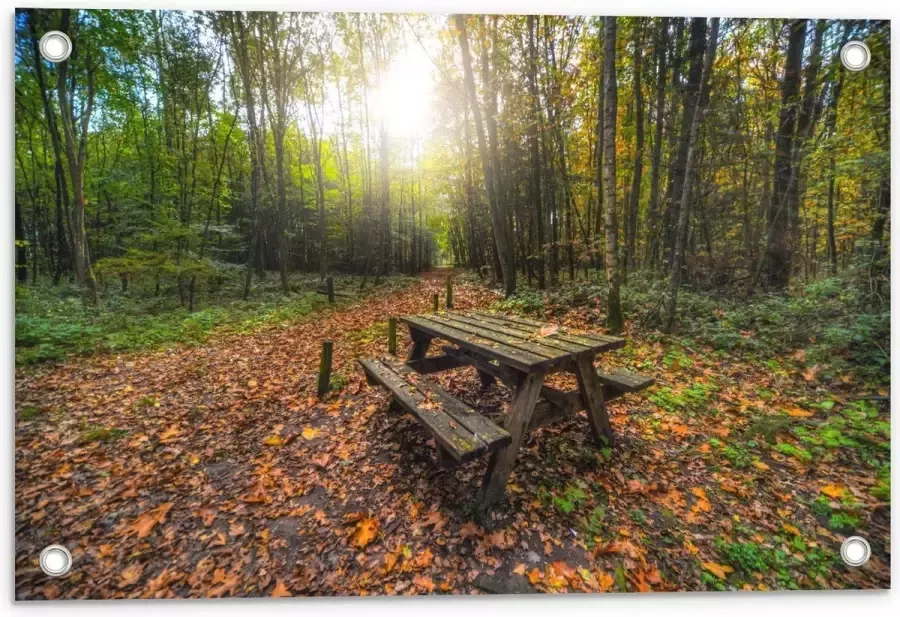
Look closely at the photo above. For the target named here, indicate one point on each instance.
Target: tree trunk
(76, 155)
(778, 246)
(632, 221)
(653, 208)
(614, 320)
(534, 153)
(671, 296)
(498, 218)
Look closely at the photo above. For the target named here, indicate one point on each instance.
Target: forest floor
(213, 470)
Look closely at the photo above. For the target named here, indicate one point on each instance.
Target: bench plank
(623, 380)
(462, 432)
(485, 430)
(557, 405)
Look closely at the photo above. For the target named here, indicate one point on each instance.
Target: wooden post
(434, 303)
(330, 283)
(392, 336)
(325, 368)
(449, 293)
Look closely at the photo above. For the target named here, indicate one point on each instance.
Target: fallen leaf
(718, 569)
(534, 576)
(833, 490)
(549, 329)
(365, 532)
(281, 590)
(273, 440)
(519, 569)
(798, 412)
(131, 575)
(145, 523)
(309, 433)
(423, 582)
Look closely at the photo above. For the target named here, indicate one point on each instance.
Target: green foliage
(572, 497)
(792, 450)
(29, 412)
(842, 520)
(53, 322)
(101, 433)
(525, 301)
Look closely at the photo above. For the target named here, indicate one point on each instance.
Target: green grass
(53, 323)
(29, 413)
(101, 433)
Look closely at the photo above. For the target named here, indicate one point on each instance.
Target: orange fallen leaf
(798, 412)
(145, 523)
(760, 465)
(281, 590)
(273, 440)
(390, 560)
(424, 582)
(791, 529)
(833, 490)
(534, 576)
(549, 329)
(131, 575)
(365, 532)
(309, 433)
(718, 569)
(519, 569)
(424, 559)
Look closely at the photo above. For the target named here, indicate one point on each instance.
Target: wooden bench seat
(558, 404)
(460, 431)
(620, 381)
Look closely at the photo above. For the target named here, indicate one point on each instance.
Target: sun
(403, 99)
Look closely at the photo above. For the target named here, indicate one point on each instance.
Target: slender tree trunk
(671, 296)
(535, 156)
(778, 246)
(75, 130)
(498, 218)
(653, 208)
(614, 320)
(631, 231)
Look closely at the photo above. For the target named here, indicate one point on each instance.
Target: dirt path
(214, 471)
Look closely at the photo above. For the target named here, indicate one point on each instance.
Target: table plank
(517, 340)
(597, 342)
(511, 356)
(549, 341)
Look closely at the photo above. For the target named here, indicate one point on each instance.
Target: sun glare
(403, 99)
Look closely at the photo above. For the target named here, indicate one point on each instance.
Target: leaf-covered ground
(214, 471)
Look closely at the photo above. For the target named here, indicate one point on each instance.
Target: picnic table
(520, 353)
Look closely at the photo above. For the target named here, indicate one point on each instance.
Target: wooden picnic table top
(524, 344)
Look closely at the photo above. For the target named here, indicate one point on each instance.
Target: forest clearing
(204, 198)
(214, 470)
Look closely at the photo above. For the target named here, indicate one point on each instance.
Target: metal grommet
(56, 560)
(55, 46)
(855, 55)
(855, 551)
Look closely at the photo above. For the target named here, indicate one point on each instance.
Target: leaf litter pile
(214, 471)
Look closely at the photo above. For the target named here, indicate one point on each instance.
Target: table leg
(487, 380)
(421, 342)
(592, 394)
(516, 423)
